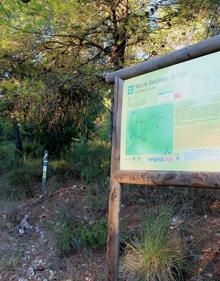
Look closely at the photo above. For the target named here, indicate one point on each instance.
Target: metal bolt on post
(44, 174)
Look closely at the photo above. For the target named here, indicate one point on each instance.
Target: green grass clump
(154, 256)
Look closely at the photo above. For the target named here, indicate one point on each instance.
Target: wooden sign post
(195, 167)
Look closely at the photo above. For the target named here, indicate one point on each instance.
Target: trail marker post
(166, 128)
(44, 173)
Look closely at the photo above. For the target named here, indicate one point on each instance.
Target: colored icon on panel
(131, 90)
(178, 95)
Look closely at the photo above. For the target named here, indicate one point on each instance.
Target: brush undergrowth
(72, 234)
(21, 177)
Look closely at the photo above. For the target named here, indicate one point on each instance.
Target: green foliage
(51, 70)
(65, 241)
(93, 235)
(7, 152)
(97, 197)
(32, 150)
(52, 112)
(61, 167)
(154, 256)
(5, 130)
(74, 234)
(2, 154)
(91, 161)
(24, 177)
(18, 177)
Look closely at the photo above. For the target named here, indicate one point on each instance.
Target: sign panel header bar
(190, 52)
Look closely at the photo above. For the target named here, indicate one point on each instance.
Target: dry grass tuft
(153, 256)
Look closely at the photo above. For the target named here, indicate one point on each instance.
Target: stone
(176, 222)
(209, 275)
(39, 264)
(30, 272)
(51, 275)
(189, 238)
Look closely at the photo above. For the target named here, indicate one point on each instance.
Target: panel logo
(131, 90)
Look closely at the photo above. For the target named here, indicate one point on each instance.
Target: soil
(33, 255)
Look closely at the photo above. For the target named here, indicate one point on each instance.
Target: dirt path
(33, 255)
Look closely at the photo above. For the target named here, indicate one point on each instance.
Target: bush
(91, 161)
(18, 175)
(24, 177)
(6, 132)
(73, 234)
(65, 241)
(7, 153)
(32, 150)
(93, 235)
(61, 167)
(153, 256)
(2, 154)
(97, 197)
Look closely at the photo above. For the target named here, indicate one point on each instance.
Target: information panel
(171, 118)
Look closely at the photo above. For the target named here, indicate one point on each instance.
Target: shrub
(153, 256)
(73, 234)
(7, 153)
(18, 175)
(3, 156)
(61, 167)
(65, 242)
(6, 132)
(91, 161)
(23, 178)
(32, 150)
(97, 198)
(93, 235)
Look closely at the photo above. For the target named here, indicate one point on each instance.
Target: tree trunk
(119, 15)
(17, 138)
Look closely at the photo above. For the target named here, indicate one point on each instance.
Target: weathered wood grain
(112, 259)
(202, 48)
(115, 159)
(113, 232)
(164, 178)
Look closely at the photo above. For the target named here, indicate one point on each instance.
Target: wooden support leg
(113, 232)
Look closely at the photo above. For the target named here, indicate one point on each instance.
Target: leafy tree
(109, 34)
(54, 54)
(52, 111)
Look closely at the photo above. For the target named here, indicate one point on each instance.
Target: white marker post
(44, 174)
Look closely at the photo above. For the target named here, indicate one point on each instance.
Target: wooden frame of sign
(152, 178)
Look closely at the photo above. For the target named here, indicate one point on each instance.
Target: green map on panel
(150, 130)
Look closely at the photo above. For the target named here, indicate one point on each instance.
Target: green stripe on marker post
(44, 174)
